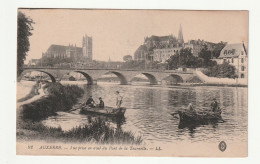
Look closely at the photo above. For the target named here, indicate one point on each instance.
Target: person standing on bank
(119, 99)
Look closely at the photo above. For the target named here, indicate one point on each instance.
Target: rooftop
(232, 50)
(159, 38)
(61, 48)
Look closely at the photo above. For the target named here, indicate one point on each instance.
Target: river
(149, 108)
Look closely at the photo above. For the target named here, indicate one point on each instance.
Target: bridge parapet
(125, 75)
(189, 70)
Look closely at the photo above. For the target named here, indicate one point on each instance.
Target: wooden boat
(199, 117)
(108, 111)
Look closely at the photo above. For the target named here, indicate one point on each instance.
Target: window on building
(242, 75)
(242, 68)
(242, 60)
(232, 60)
(225, 60)
(242, 53)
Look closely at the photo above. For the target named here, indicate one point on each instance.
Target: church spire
(180, 36)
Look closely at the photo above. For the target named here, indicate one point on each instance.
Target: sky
(117, 33)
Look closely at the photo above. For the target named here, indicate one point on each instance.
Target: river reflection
(149, 108)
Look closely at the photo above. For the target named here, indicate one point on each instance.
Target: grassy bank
(97, 131)
(61, 98)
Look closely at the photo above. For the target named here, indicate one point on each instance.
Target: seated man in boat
(214, 105)
(190, 108)
(101, 103)
(90, 102)
(119, 99)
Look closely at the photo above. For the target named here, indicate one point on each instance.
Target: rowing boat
(199, 117)
(108, 111)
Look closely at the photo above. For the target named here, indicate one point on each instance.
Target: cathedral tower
(180, 36)
(87, 47)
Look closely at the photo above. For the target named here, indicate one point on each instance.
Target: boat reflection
(116, 120)
(193, 126)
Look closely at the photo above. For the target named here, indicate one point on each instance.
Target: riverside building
(236, 55)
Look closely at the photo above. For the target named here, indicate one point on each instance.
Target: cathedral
(72, 52)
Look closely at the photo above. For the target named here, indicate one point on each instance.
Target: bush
(224, 70)
(61, 98)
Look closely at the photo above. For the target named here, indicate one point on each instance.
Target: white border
(8, 11)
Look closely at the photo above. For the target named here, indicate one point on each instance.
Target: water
(149, 108)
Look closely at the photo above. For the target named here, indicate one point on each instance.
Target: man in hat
(214, 105)
(101, 103)
(118, 99)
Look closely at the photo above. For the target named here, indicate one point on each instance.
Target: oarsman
(214, 105)
(90, 102)
(101, 103)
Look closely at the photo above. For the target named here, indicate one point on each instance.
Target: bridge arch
(50, 75)
(87, 76)
(47, 73)
(123, 80)
(176, 78)
(151, 78)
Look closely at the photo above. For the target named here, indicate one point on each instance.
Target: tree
(23, 45)
(127, 58)
(218, 48)
(224, 70)
(184, 59)
(206, 55)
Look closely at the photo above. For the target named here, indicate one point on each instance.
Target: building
(147, 50)
(71, 52)
(197, 45)
(141, 53)
(194, 46)
(34, 62)
(236, 55)
(62, 52)
(161, 55)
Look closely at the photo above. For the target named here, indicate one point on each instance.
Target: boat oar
(175, 113)
(76, 108)
(222, 120)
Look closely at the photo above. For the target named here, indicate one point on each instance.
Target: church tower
(180, 36)
(87, 47)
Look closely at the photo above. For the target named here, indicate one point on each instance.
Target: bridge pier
(94, 82)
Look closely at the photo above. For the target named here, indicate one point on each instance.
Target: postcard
(106, 82)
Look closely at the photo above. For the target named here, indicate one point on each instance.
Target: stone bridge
(125, 76)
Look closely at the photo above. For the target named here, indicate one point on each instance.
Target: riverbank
(62, 98)
(214, 81)
(24, 87)
(98, 131)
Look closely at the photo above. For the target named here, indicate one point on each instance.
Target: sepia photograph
(110, 82)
